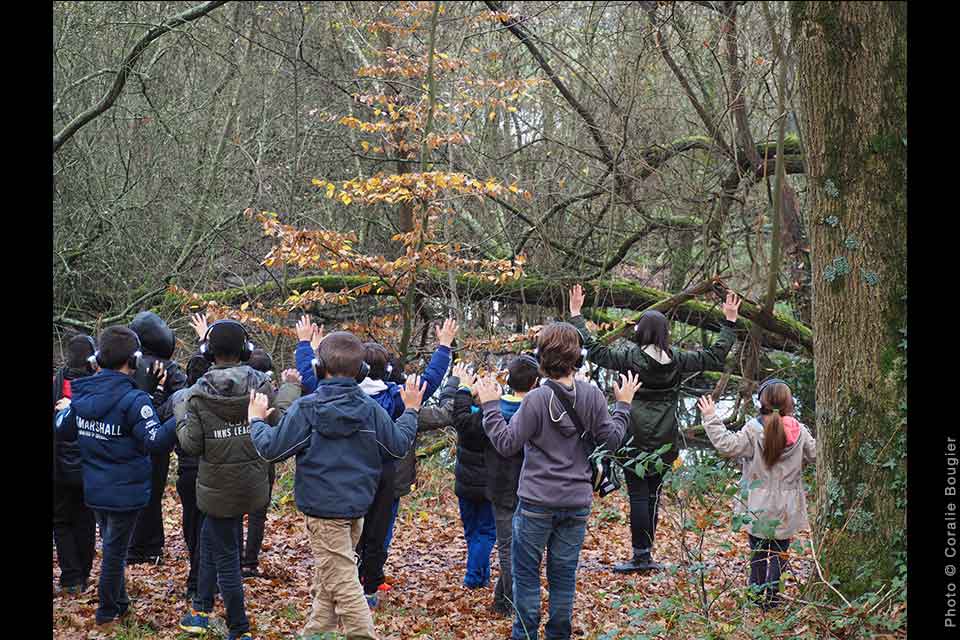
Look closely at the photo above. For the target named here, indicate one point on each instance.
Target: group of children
(523, 473)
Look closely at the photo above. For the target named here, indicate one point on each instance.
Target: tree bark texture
(852, 77)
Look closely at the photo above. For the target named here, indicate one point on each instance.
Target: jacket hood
(557, 410)
(341, 410)
(791, 426)
(156, 338)
(509, 405)
(388, 398)
(94, 396)
(230, 380)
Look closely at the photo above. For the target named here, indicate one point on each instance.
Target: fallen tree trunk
(779, 333)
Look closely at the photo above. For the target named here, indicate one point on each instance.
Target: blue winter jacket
(389, 398)
(117, 429)
(341, 437)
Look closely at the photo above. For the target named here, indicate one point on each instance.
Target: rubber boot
(641, 561)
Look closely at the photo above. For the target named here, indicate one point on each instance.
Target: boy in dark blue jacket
(378, 522)
(117, 429)
(341, 438)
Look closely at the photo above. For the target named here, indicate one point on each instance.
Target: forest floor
(426, 567)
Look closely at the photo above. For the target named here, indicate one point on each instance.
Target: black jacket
(503, 472)
(472, 441)
(67, 467)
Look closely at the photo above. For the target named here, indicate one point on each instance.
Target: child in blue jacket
(378, 523)
(341, 438)
(117, 430)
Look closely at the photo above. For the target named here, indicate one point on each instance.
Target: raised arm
(395, 438)
(156, 436)
(624, 359)
(712, 358)
(507, 438)
(608, 430)
(439, 415)
(729, 444)
(305, 352)
(288, 438)
(189, 428)
(440, 361)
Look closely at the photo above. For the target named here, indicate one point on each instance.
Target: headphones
(320, 369)
(133, 361)
(525, 357)
(92, 363)
(766, 383)
(580, 360)
(245, 351)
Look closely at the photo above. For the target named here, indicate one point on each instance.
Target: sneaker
(73, 589)
(502, 609)
(156, 560)
(372, 600)
(245, 636)
(384, 587)
(249, 572)
(196, 622)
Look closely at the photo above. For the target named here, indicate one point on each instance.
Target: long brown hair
(776, 401)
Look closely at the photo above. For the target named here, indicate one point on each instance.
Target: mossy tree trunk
(852, 77)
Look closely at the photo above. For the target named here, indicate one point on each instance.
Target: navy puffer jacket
(117, 429)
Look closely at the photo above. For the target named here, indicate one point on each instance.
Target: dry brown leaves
(426, 568)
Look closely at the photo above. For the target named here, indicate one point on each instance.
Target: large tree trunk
(852, 73)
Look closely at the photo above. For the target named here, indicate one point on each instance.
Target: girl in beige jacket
(774, 448)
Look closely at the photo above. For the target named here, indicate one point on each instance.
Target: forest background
(384, 165)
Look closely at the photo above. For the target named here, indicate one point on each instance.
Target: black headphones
(92, 363)
(245, 352)
(133, 361)
(320, 369)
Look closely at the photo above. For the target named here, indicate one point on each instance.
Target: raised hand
(199, 323)
(461, 370)
(259, 407)
(305, 329)
(628, 386)
(160, 372)
(576, 300)
(317, 337)
(412, 393)
(731, 307)
(291, 375)
(447, 333)
(487, 389)
(707, 407)
(62, 404)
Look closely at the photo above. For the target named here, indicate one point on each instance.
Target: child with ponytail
(774, 448)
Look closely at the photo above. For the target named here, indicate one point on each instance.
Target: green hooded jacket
(232, 477)
(653, 414)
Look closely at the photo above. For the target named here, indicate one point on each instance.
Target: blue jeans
(480, 530)
(220, 563)
(116, 529)
(560, 531)
(393, 519)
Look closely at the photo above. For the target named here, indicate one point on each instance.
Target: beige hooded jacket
(774, 493)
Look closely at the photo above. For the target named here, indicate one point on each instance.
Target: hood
(791, 427)
(509, 405)
(156, 338)
(341, 411)
(661, 357)
(556, 409)
(372, 387)
(94, 396)
(228, 385)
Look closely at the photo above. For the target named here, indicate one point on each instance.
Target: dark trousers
(192, 521)
(116, 528)
(148, 539)
(766, 565)
(220, 564)
(503, 591)
(74, 534)
(480, 531)
(372, 545)
(644, 508)
(394, 509)
(256, 524)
